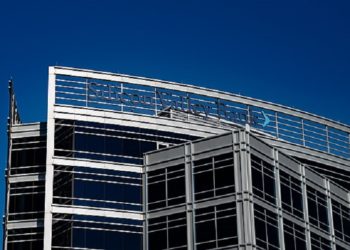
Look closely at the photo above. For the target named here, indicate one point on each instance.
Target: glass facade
(291, 194)
(294, 235)
(192, 200)
(318, 211)
(95, 188)
(26, 189)
(95, 232)
(213, 177)
(168, 232)
(101, 188)
(195, 197)
(105, 142)
(202, 213)
(110, 190)
(341, 221)
(28, 155)
(131, 163)
(25, 238)
(215, 226)
(166, 187)
(291, 206)
(263, 176)
(266, 228)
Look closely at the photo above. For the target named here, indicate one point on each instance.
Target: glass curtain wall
(26, 192)
(107, 189)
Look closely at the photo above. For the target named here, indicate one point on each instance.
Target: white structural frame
(49, 160)
(244, 144)
(196, 128)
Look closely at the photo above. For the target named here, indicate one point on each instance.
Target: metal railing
(150, 97)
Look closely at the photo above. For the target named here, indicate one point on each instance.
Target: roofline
(345, 128)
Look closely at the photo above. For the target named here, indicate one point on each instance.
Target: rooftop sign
(166, 99)
(143, 96)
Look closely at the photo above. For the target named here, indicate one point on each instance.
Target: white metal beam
(97, 212)
(49, 160)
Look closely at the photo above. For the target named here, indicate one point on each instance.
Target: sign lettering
(185, 103)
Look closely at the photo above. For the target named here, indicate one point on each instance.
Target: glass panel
(263, 178)
(317, 204)
(167, 232)
(105, 142)
(291, 193)
(294, 236)
(216, 226)
(77, 231)
(214, 176)
(97, 188)
(266, 228)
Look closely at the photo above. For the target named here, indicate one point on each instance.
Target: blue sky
(294, 53)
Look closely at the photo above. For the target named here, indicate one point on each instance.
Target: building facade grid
(278, 180)
(297, 214)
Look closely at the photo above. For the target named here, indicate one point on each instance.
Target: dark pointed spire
(13, 117)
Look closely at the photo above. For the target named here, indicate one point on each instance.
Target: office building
(125, 162)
